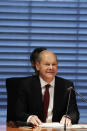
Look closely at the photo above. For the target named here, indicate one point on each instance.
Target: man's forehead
(47, 54)
(47, 59)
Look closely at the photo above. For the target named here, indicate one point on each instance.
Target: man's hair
(35, 53)
(34, 56)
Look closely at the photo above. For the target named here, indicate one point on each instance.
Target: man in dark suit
(30, 106)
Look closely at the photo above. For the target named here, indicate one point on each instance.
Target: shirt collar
(43, 83)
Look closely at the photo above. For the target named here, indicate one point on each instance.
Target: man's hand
(68, 121)
(35, 120)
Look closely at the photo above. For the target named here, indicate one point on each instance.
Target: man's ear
(37, 66)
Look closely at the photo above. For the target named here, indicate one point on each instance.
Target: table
(42, 129)
(35, 129)
(11, 127)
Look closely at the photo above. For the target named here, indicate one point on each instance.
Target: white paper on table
(51, 125)
(78, 126)
(58, 125)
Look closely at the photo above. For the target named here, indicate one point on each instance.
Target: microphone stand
(67, 110)
(84, 100)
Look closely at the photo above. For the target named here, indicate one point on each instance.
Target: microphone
(66, 116)
(79, 94)
(21, 124)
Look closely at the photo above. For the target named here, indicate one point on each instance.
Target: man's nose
(50, 66)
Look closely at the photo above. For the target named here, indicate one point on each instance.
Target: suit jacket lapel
(38, 94)
(37, 89)
(58, 96)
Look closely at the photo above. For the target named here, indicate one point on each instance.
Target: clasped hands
(36, 121)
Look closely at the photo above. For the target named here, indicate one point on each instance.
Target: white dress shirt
(51, 92)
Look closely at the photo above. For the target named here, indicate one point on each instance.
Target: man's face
(47, 66)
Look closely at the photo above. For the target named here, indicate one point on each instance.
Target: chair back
(12, 85)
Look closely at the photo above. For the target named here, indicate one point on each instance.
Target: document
(78, 126)
(58, 125)
(52, 125)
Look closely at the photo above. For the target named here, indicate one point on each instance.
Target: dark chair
(12, 85)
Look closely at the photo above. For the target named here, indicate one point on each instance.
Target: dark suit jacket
(30, 100)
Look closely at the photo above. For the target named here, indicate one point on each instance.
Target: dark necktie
(46, 100)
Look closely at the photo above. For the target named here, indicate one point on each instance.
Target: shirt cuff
(28, 119)
(67, 116)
